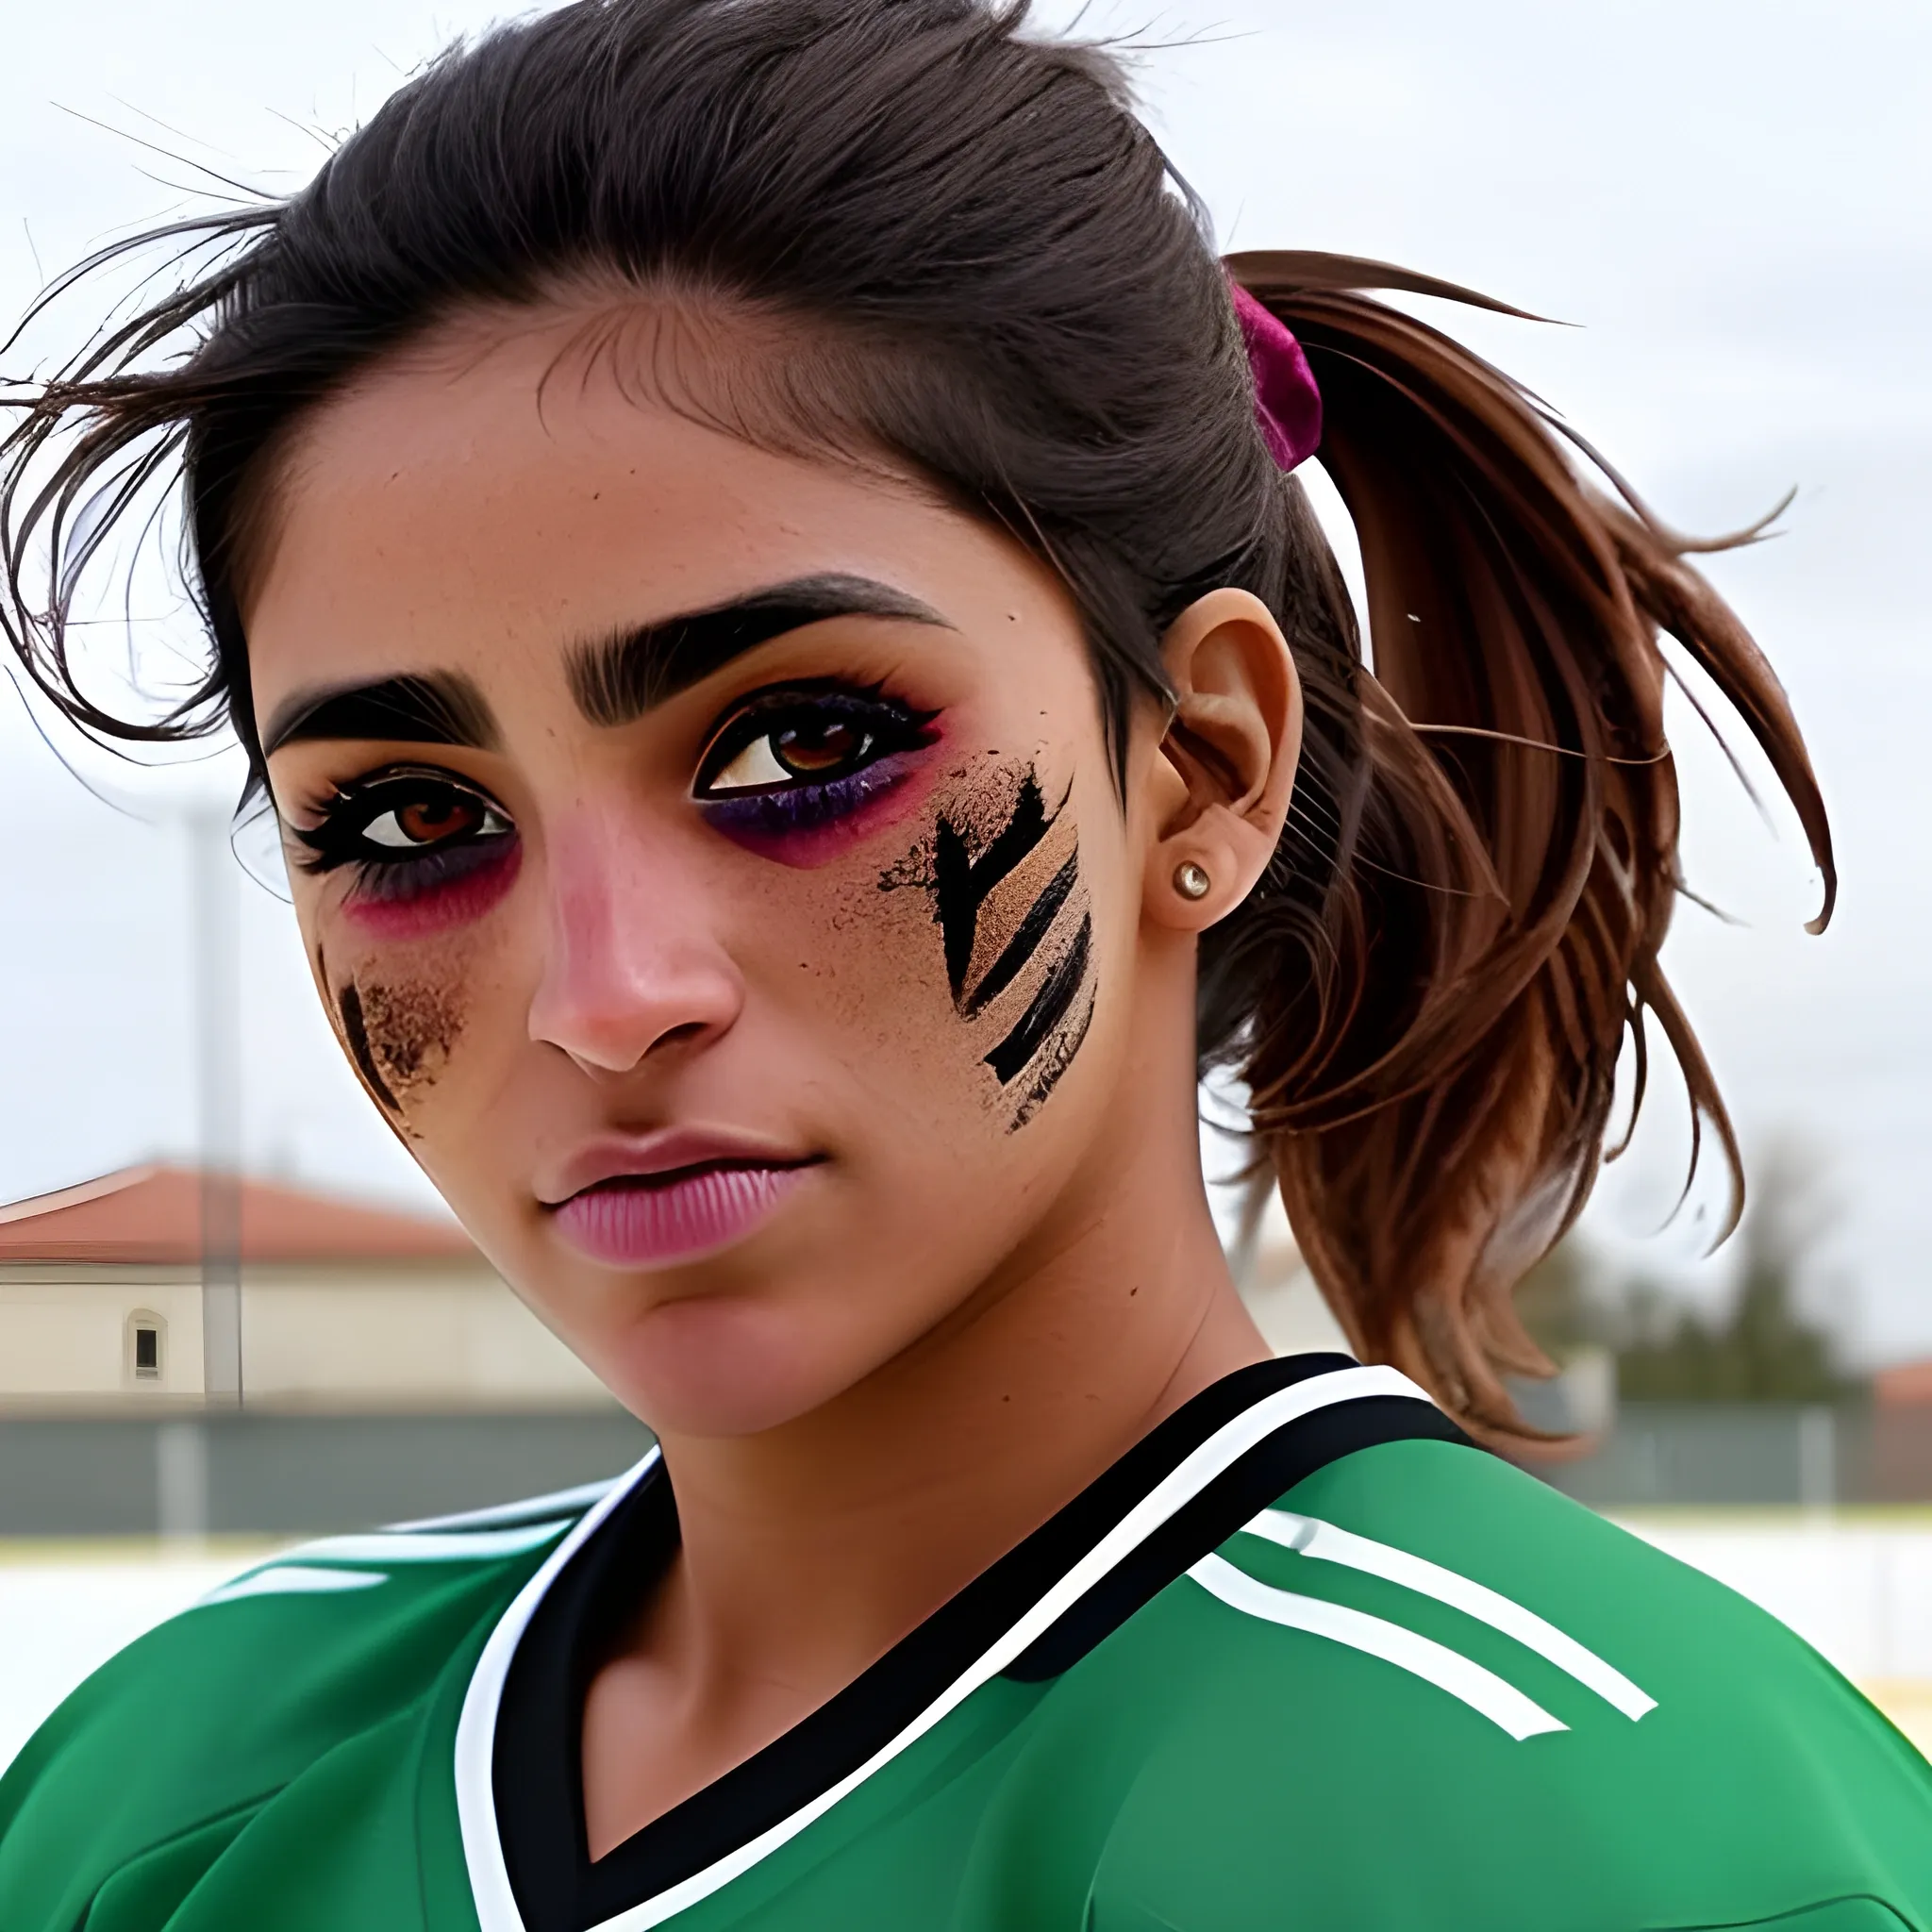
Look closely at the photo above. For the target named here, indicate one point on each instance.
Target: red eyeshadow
(439, 908)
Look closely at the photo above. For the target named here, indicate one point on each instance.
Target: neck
(809, 1549)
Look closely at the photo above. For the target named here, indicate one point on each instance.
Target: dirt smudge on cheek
(398, 1033)
(356, 1032)
(402, 1033)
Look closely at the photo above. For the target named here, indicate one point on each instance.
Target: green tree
(1562, 1301)
(1761, 1347)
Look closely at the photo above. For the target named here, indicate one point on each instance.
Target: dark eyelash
(896, 726)
(337, 839)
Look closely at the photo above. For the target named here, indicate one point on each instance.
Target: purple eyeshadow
(802, 807)
(384, 881)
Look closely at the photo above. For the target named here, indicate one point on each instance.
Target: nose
(633, 968)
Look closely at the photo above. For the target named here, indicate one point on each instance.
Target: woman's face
(709, 860)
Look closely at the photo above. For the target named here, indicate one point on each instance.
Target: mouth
(651, 1212)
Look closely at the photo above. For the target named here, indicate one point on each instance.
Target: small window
(147, 1346)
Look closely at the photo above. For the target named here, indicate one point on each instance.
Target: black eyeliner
(353, 804)
(898, 725)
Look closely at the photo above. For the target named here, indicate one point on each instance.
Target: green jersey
(1304, 1659)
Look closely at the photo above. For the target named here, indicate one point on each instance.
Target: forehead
(496, 492)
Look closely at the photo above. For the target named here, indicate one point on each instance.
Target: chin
(723, 1365)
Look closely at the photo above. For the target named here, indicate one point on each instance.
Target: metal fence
(259, 1473)
(1725, 1455)
(218, 1475)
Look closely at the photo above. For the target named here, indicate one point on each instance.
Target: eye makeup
(793, 772)
(425, 848)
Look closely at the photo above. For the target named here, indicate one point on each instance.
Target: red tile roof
(1902, 1386)
(152, 1215)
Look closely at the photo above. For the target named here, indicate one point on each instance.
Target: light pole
(218, 1090)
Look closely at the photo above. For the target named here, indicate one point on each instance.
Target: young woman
(750, 544)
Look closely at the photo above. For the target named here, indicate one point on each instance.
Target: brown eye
(430, 820)
(424, 818)
(399, 820)
(809, 751)
(784, 741)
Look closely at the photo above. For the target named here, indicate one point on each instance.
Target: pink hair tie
(1288, 405)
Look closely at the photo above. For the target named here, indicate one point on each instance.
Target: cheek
(402, 1018)
(1010, 934)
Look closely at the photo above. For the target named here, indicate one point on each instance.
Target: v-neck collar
(1178, 1492)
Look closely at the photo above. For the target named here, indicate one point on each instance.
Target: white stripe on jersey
(557, 1503)
(1422, 1657)
(293, 1579)
(1311, 1537)
(300, 1569)
(433, 1546)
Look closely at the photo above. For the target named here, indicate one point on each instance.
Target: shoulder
(177, 1743)
(1445, 1695)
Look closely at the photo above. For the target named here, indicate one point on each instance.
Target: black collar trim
(1177, 1494)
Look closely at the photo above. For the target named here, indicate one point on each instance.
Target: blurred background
(231, 1311)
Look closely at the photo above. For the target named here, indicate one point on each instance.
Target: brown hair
(1428, 991)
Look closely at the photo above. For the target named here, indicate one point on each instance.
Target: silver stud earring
(1190, 881)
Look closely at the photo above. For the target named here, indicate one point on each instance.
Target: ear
(1225, 767)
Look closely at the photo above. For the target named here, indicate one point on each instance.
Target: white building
(344, 1308)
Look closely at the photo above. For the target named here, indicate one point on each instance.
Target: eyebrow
(619, 678)
(426, 708)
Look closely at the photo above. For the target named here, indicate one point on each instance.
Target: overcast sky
(1732, 202)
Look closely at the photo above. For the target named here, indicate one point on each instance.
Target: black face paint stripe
(618, 678)
(1049, 1006)
(1058, 1060)
(952, 871)
(964, 883)
(436, 708)
(350, 1003)
(1030, 824)
(1027, 940)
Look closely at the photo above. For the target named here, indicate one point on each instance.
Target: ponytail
(1431, 1077)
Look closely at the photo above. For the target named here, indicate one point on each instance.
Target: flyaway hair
(941, 240)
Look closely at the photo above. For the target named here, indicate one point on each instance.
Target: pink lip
(635, 1223)
(634, 1200)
